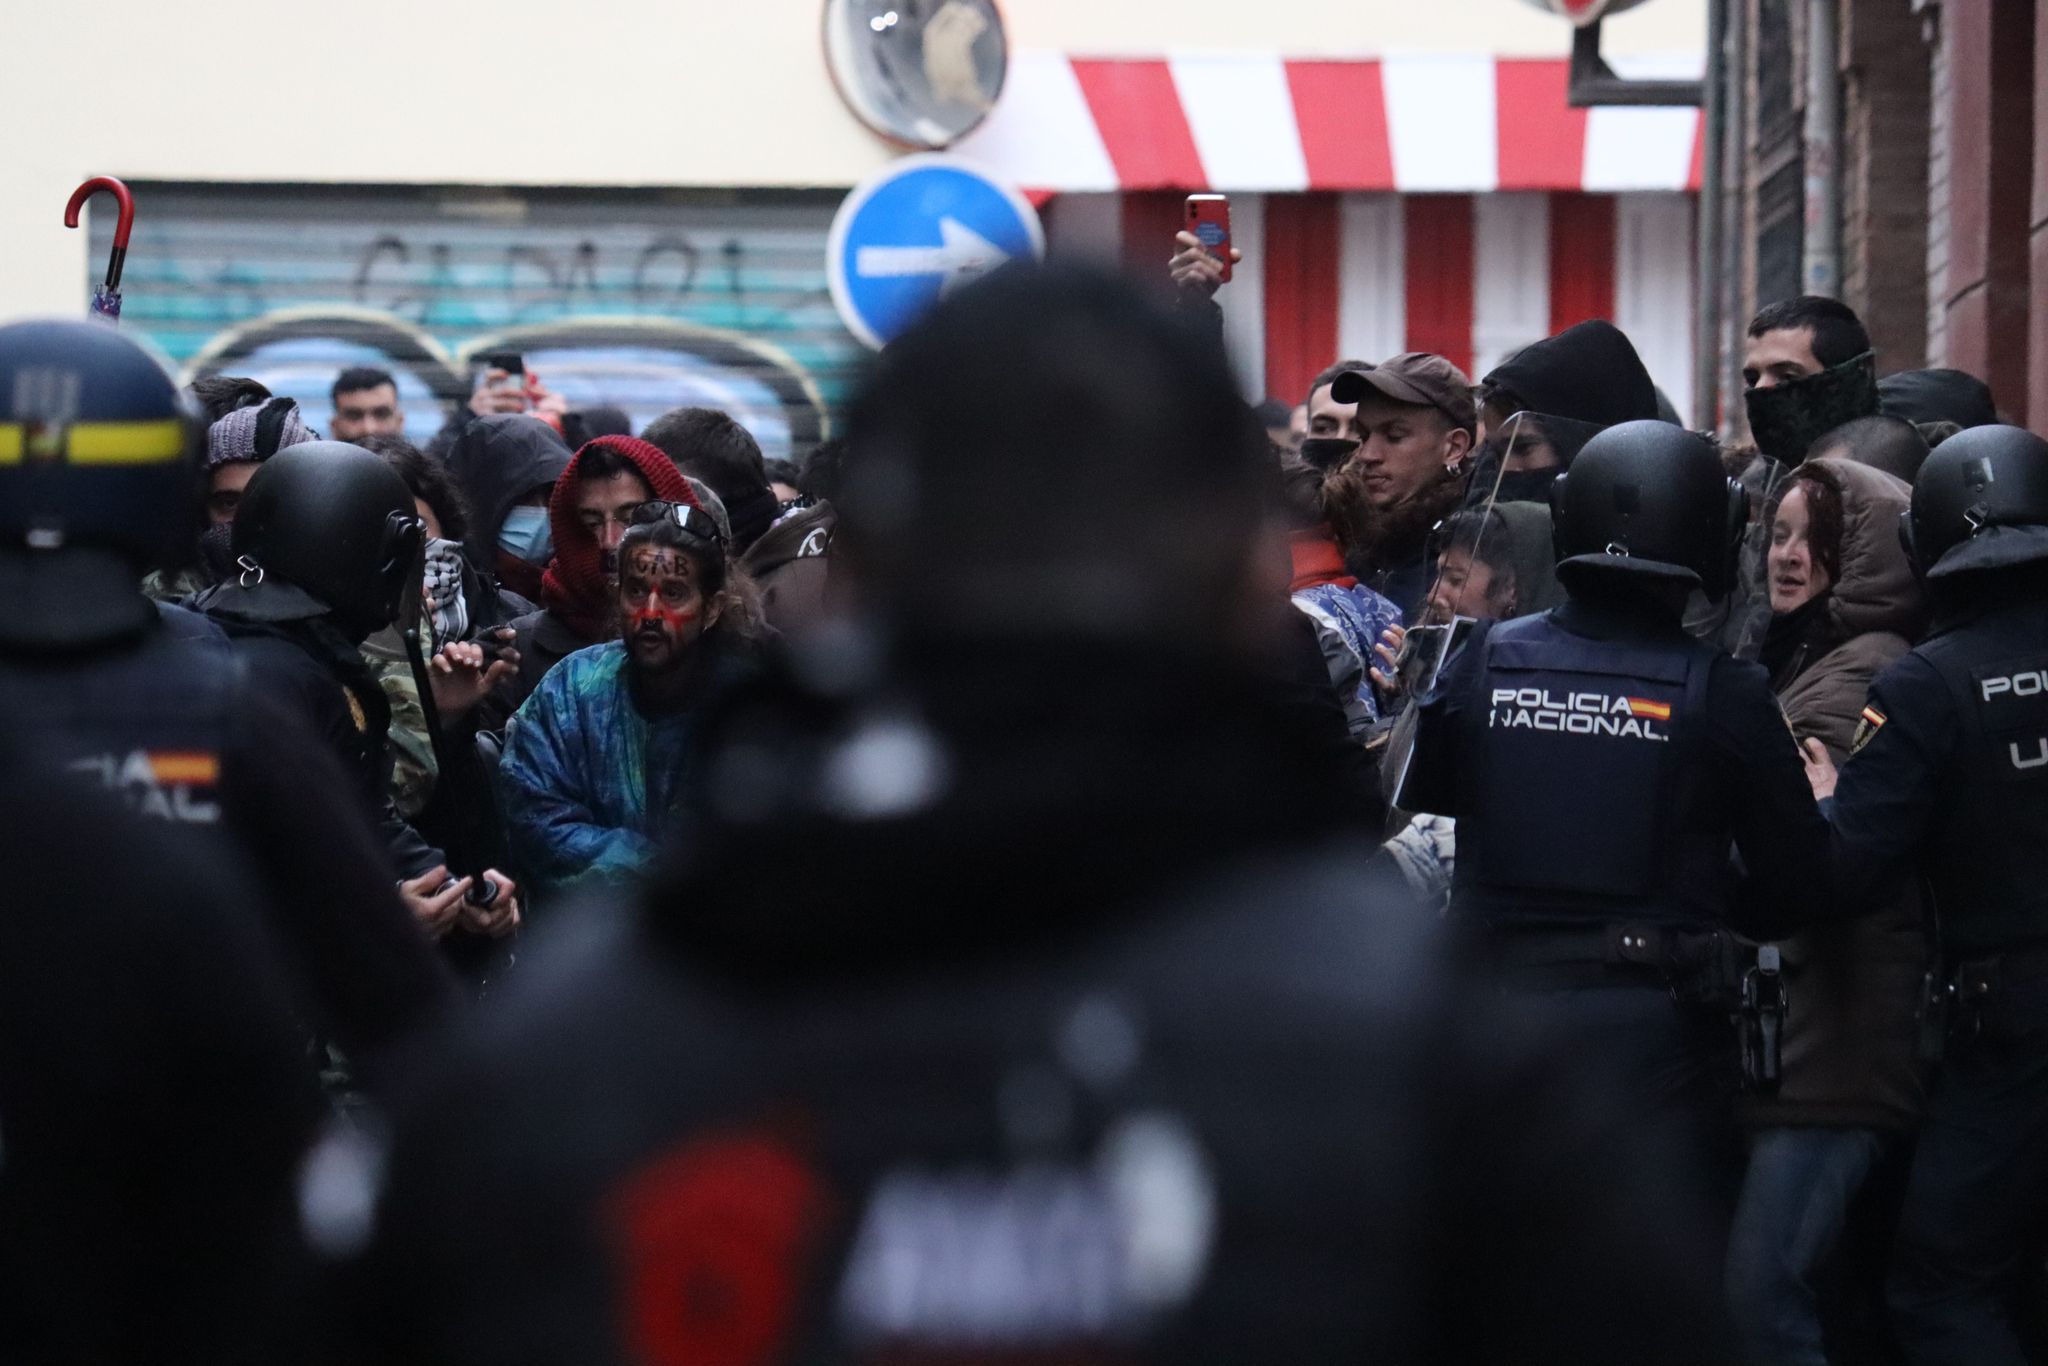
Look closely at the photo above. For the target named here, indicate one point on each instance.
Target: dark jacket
(497, 461)
(302, 661)
(543, 641)
(790, 565)
(247, 778)
(1937, 396)
(155, 1087)
(1851, 1033)
(1101, 1002)
(1528, 787)
(1946, 782)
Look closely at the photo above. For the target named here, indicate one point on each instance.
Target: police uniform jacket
(1950, 774)
(168, 721)
(1602, 766)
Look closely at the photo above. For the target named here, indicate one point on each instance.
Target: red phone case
(1209, 220)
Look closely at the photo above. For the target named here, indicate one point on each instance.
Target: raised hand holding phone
(1205, 258)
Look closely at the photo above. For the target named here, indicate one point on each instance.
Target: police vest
(1583, 802)
(148, 721)
(1988, 858)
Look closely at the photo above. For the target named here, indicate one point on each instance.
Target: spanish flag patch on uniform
(1867, 728)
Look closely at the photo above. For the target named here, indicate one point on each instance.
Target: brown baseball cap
(1415, 377)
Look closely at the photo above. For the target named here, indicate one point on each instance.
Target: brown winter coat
(1853, 986)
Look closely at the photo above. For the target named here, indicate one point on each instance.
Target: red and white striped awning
(1246, 122)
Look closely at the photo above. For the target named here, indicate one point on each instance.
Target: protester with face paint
(589, 510)
(595, 759)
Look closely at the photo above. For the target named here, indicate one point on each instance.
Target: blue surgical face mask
(527, 535)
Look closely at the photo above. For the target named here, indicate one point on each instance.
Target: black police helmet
(1650, 499)
(1979, 502)
(336, 521)
(97, 447)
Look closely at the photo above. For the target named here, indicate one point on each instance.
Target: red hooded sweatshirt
(575, 587)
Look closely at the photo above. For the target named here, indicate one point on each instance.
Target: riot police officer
(328, 548)
(1600, 763)
(1050, 1045)
(1949, 777)
(97, 462)
(154, 1095)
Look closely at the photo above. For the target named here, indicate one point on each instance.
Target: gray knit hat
(256, 433)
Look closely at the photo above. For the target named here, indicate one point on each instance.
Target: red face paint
(654, 613)
(656, 581)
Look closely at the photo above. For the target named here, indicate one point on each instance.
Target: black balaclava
(1786, 419)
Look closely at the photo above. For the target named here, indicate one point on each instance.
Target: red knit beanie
(575, 587)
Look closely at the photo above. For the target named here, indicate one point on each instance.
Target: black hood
(1937, 396)
(998, 793)
(1588, 373)
(497, 461)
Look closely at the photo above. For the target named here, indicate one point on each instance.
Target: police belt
(1694, 963)
(2002, 994)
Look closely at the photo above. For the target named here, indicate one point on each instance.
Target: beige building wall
(606, 92)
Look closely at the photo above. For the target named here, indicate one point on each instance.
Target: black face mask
(1528, 486)
(1786, 419)
(1328, 453)
(216, 552)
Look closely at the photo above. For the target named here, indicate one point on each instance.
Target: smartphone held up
(1208, 221)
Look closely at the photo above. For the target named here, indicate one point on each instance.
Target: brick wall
(1940, 99)
(1990, 192)
(1884, 161)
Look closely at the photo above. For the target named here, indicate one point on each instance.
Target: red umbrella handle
(122, 226)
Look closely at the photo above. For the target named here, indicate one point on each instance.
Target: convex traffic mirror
(919, 72)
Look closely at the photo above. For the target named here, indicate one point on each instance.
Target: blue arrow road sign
(914, 230)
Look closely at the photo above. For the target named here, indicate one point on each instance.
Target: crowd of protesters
(1032, 880)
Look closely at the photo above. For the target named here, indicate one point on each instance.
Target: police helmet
(97, 447)
(336, 521)
(1651, 499)
(1979, 502)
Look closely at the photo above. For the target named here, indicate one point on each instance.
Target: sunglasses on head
(694, 521)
